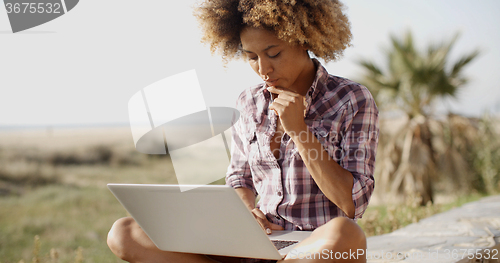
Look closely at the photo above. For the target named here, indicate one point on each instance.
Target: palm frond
(457, 68)
(372, 68)
(424, 149)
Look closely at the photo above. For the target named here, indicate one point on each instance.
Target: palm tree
(410, 159)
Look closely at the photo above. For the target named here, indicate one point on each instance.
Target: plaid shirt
(344, 118)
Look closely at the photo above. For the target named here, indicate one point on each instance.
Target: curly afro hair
(318, 25)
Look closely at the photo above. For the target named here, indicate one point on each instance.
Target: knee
(119, 235)
(343, 231)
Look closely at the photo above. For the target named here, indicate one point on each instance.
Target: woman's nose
(265, 68)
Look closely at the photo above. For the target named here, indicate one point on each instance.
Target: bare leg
(128, 242)
(339, 240)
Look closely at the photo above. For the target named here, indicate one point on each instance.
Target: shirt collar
(319, 82)
(318, 86)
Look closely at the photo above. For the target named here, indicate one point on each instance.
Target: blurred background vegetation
(427, 153)
(55, 207)
(53, 187)
(421, 154)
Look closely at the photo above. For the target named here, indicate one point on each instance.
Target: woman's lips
(271, 82)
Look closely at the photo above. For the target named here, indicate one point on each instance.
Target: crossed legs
(128, 242)
(339, 240)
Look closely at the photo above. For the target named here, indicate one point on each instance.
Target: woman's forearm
(247, 196)
(333, 180)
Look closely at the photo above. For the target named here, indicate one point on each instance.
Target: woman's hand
(264, 223)
(334, 181)
(248, 197)
(290, 107)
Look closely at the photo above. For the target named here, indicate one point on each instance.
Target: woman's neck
(306, 78)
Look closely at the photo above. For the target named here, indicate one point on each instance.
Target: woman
(306, 140)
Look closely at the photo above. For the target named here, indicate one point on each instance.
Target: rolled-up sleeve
(239, 173)
(360, 146)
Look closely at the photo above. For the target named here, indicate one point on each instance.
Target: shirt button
(279, 193)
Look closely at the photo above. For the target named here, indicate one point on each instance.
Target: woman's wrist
(301, 134)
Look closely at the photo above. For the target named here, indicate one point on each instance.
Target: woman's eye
(252, 57)
(275, 55)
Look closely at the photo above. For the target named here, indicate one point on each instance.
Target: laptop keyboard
(279, 244)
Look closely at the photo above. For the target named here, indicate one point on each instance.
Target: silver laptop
(209, 219)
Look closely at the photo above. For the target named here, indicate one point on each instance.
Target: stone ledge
(444, 237)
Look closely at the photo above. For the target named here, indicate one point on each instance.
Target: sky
(82, 68)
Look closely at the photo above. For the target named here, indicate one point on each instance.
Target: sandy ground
(65, 138)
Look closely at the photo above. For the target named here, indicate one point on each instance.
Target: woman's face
(278, 63)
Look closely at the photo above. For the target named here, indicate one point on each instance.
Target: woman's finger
(275, 226)
(287, 97)
(282, 91)
(262, 220)
(282, 101)
(278, 108)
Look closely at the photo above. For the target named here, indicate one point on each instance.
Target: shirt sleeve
(360, 146)
(239, 173)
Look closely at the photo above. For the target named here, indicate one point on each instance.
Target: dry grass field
(55, 207)
(53, 185)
